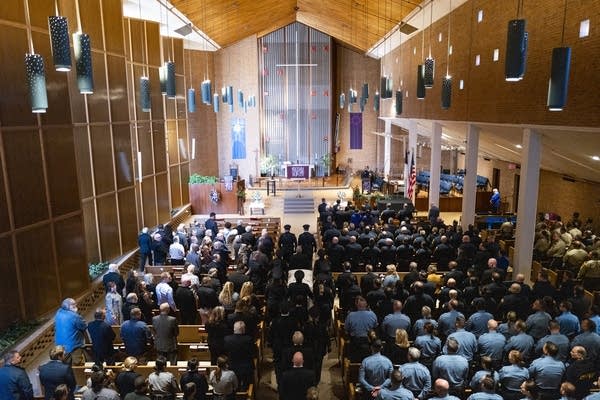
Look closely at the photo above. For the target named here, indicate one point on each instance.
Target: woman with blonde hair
(125, 381)
(397, 351)
(391, 276)
(247, 289)
(223, 380)
(228, 297)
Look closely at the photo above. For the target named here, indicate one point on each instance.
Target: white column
(387, 149)
(528, 196)
(436, 161)
(412, 152)
(470, 183)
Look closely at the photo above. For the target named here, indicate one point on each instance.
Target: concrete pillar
(436, 160)
(387, 149)
(470, 182)
(528, 196)
(412, 151)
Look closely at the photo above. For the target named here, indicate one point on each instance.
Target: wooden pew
(350, 378)
(536, 267)
(82, 372)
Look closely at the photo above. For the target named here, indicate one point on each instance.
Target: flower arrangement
(214, 195)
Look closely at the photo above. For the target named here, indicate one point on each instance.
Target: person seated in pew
(141, 389)
(192, 376)
(162, 382)
(125, 381)
(223, 381)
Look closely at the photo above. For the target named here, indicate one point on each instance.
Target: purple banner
(356, 131)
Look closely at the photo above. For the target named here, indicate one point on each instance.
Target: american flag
(412, 180)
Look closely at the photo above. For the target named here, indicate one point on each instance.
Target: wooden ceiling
(358, 23)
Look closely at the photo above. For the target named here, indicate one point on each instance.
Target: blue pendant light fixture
(240, 99)
(398, 105)
(145, 102)
(36, 79)
(162, 76)
(516, 47)
(191, 99)
(558, 84)
(171, 84)
(420, 82)
(376, 102)
(447, 80)
(60, 43)
(216, 103)
(191, 93)
(206, 90)
(365, 90)
(83, 62)
(82, 49)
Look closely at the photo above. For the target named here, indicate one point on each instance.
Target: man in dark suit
(238, 277)
(186, 302)
(102, 337)
(241, 350)
(296, 381)
(165, 334)
(145, 243)
(307, 241)
(56, 372)
(113, 275)
(211, 223)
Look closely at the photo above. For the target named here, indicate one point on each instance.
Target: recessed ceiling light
(595, 158)
(518, 146)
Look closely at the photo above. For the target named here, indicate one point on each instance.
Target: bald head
(165, 308)
(298, 360)
(441, 387)
(492, 325)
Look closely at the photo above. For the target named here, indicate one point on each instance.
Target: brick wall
(237, 66)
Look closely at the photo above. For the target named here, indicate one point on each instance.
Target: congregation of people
(429, 311)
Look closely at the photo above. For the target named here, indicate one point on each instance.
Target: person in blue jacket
(495, 201)
(69, 331)
(14, 382)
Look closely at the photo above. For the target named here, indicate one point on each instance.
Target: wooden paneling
(487, 97)
(84, 168)
(201, 203)
(10, 306)
(25, 176)
(117, 82)
(153, 44)
(97, 103)
(91, 235)
(128, 219)
(180, 102)
(183, 142)
(39, 10)
(61, 170)
(72, 261)
(12, 11)
(162, 193)
(103, 159)
(124, 163)
(171, 104)
(15, 108)
(112, 16)
(91, 23)
(160, 147)
(109, 227)
(185, 189)
(172, 142)
(155, 95)
(4, 215)
(136, 32)
(144, 138)
(175, 186)
(38, 271)
(149, 202)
